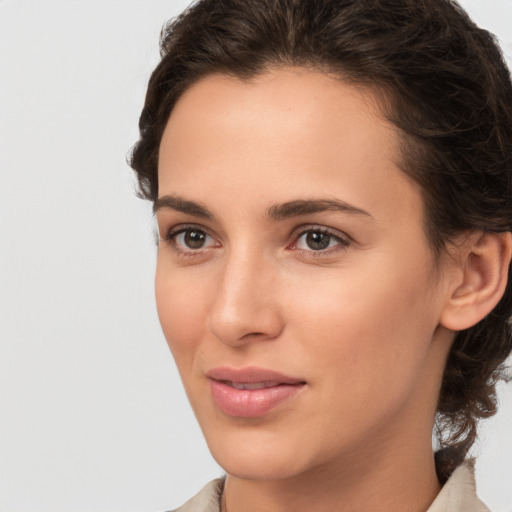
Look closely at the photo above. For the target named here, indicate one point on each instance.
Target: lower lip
(251, 403)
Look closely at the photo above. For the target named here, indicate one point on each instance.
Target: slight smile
(251, 392)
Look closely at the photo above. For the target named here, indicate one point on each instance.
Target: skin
(359, 321)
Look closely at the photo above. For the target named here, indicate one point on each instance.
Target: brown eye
(192, 239)
(317, 240)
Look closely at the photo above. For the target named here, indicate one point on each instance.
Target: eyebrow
(174, 202)
(276, 212)
(300, 207)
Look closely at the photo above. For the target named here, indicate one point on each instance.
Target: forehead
(289, 132)
(288, 103)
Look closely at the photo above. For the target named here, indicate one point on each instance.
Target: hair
(447, 89)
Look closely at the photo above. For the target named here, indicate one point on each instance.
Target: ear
(479, 281)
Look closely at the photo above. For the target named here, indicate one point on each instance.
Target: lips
(251, 392)
(252, 385)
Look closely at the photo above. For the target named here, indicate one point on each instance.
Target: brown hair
(446, 87)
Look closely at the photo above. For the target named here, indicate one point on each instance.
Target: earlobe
(483, 261)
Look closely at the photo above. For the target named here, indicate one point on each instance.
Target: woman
(332, 186)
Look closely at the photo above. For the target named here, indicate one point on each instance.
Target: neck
(366, 483)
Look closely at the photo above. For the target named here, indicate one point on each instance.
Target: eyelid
(176, 230)
(343, 239)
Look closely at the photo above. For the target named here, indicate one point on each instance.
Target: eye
(319, 240)
(191, 239)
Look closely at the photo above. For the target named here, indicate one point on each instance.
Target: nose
(245, 306)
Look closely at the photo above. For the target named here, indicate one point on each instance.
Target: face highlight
(295, 284)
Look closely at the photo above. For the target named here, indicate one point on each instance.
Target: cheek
(181, 305)
(368, 322)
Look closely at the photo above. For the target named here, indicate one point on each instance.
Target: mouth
(251, 392)
(252, 385)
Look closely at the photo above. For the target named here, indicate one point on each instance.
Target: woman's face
(294, 283)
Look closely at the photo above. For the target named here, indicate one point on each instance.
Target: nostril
(253, 334)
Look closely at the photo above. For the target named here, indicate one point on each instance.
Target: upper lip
(251, 374)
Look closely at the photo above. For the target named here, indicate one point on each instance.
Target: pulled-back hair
(444, 84)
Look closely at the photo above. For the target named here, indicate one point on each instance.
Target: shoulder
(206, 500)
(459, 493)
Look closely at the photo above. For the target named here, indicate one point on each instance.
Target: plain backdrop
(92, 414)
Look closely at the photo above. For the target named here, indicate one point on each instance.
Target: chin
(247, 458)
(260, 467)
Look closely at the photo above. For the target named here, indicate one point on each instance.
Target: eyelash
(342, 242)
(178, 230)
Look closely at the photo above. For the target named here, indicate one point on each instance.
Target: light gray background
(92, 414)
